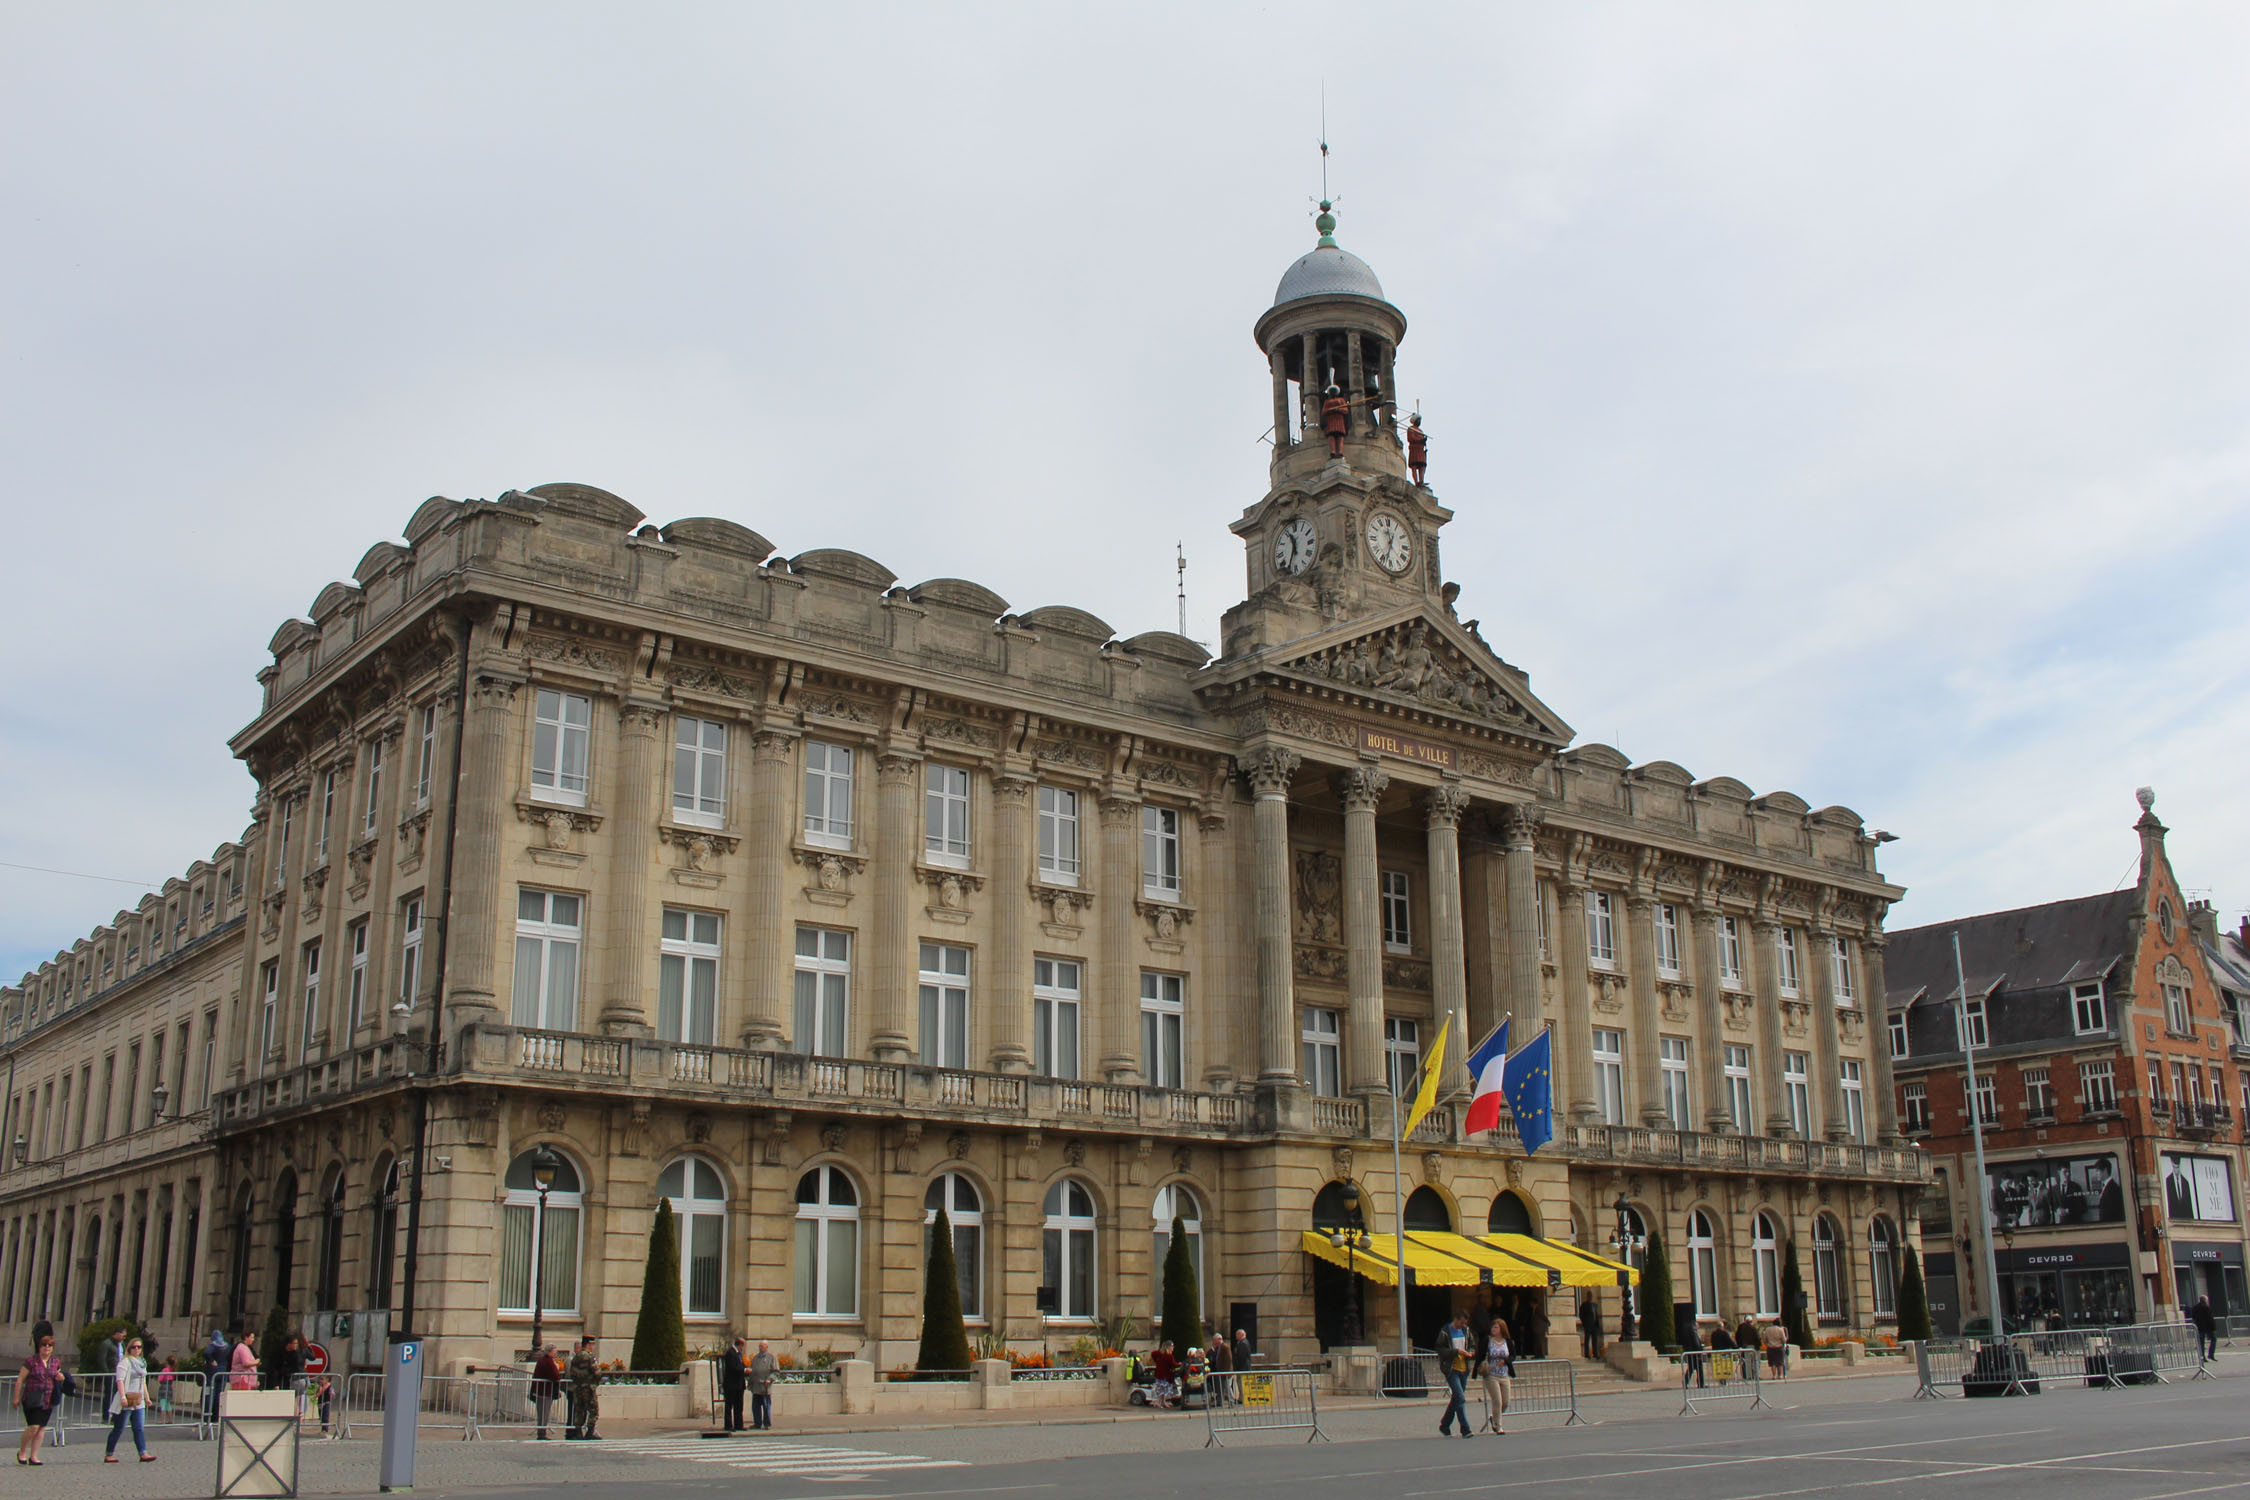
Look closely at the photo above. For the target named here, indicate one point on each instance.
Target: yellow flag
(1425, 1097)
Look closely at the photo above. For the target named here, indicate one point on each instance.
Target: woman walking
(38, 1388)
(244, 1363)
(1498, 1376)
(128, 1404)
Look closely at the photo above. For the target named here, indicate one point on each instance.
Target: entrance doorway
(1339, 1297)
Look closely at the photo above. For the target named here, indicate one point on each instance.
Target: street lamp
(22, 1149)
(1348, 1238)
(1627, 1242)
(159, 1097)
(543, 1164)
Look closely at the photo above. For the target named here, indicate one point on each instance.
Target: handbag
(128, 1400)
(67, 1383)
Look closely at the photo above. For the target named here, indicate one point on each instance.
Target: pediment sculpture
(1410, 660)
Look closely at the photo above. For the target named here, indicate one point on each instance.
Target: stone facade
(784, 890)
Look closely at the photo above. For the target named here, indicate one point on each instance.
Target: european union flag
(1528, 1080)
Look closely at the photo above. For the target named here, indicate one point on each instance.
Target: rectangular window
(280, 854)
(549, 926)
(1539, 904)
(1898, 1033)
(1398, 919)
(132, 1084)
(1847, 993)
(1054, 1017)
(945, 1005)
(1785, 948)
(109, 1094)
(1160, 852)
(1402, 1055)
(1915, 1112)
(562, 727)
(410, 952)
(425, 755)
(309, 1018)
(824, 989)
(2176, 1009)
(372, 792)
(1796, 1076)
(357, 1014)
(1855, 1099)
(1674, 1056)
(1970, 1023)
(179, 1067)
(1163, 1018)
(1601, 930)
(210, 1055)
(2156, 1097)
(1737, 1069)
(945, 815)
(1609, 1075)
(828, 795)
(327, 820)
(687, 978)
(1324, 1054)
(1730, 952)
(699, 771)
(1667, 939)
(1058, 835)
(2038, 1094)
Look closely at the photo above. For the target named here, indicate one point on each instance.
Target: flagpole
(1398, 1225)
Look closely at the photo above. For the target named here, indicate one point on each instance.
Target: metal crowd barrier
(1544, 1387)
(1277, 1400)
(1719, 1375)
(1411, 1375)
(2129, 1354)
(450, 1403)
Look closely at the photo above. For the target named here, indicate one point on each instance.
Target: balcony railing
(1637, 1144)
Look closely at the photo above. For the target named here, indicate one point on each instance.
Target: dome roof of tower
(1328, 271)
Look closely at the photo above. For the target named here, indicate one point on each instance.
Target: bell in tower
(1330, 340)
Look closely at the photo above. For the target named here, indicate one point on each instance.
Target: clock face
(1293, 549)
(1389, 543)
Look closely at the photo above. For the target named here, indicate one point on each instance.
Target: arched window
(699, 1204)
(1882, 1266)
(93, 1269)
(1703, 1264)
(1765, 1259)
(382, 1233)
(827, 1245)
(525, 1240)
(1178, 1201)
(1066, 1249)
(1426, 1210)
(285, 1240)
(1508, 1215)
(1828, 1281)
(964, 1210)
(330, 1289)
(1336, 1208)
(238, 1286)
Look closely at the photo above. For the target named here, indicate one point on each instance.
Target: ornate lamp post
(543, 1164)
(1627, 1243)
(158, 1097)
(22, 1150)
(1348, 1239)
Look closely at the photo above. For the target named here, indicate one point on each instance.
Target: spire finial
(1326, 222)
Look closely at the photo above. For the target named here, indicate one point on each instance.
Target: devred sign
(316, 1358)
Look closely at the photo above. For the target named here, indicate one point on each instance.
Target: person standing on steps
(1456, 1351)
(763, 1368)
(1590, 1327)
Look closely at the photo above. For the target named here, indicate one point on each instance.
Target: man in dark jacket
(1590, 1327)
(2206, 1328)
(734, 1375)
(1241, 1351)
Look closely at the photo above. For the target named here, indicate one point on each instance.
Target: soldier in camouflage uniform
(585, 1392)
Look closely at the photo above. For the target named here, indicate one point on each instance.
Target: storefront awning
(1437, 1259)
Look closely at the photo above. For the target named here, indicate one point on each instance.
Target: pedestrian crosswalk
(805, 1459)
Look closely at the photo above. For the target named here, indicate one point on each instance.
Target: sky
(1849, 399)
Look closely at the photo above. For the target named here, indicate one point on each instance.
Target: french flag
(1487, 1060)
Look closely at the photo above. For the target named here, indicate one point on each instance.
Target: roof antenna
(1324, 138)
(1180, 561)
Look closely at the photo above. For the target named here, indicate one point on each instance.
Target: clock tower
(1343, 531)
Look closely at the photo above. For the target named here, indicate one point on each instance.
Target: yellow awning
(1438, 1259)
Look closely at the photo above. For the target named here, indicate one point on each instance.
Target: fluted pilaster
(1008, 977)
(1269, 771)
(480, 797)
(1361, 791)
(766, 994)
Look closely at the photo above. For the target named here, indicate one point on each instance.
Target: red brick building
(2112, 1081)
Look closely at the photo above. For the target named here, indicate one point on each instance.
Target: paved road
(1853, 1438)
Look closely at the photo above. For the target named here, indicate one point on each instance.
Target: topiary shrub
(945, 1339)
(1183, 1302)
(1913, 1299)
(270, 1339)
(1656, 1294)
(1793, 1299)
(90, 1343)
(660, 1334)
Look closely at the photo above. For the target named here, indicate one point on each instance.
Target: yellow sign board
(1257, 1390)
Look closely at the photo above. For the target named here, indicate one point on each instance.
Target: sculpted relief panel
(1409, 661)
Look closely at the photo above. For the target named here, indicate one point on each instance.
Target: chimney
(2203, 923)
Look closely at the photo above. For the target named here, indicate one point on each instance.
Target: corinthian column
(1449, 972)
(1877, 1009)
(1710, 1019)
(632, 850)
(1819, 980)
(1574, 1040)
(1008, 977)
(479, 796)
(1765, 970)
(765, 1023)
(895, 967)
(1640, 952)
(1269, 772)
(1363, 932)
(1524, 1002)
(1120, 977)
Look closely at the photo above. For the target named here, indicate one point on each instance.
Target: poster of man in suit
(2046, 1192)
(2198, 1187)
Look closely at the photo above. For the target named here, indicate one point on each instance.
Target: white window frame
(1765, 1264)
(1177, 1200)
(945, 815)
(2038, 1093)
(1667, 940)
(1730, 953)
(1882, 1266)
(323, 829)
(819, 1222)
(1609, 1074)
(425, 759)
(1321, 1049)
(691, 1209)
(1914, 1107)
(1900, 1038)
(1601, 930)
(372, 787)
(410, 950)
(1785, 958)
(1402, 1054)
(1163, 1029)
(1970, 1026)
(1060, 846)
(699, 771)
(688, 978)
(1061, 1228)
(1673, 1061)
(308, 965)
(1735, 1067)
(543, 944)
(1703, 1265)
(942, 998)
(1398, 911)
(559, 1200)
(269, 1012)
(1987, 1101)
(1847, 992)
(1160, 853)
(2089, 1008)
(821, 1001)
(1796, 1085)
(357, 1010)
(829, 772)
(967, 1219)
(1057, 992)
(2177, 1018)
(1539, 905)
(1828, 1267)
(1854, 1085)
(280, 855)
(562, 739)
